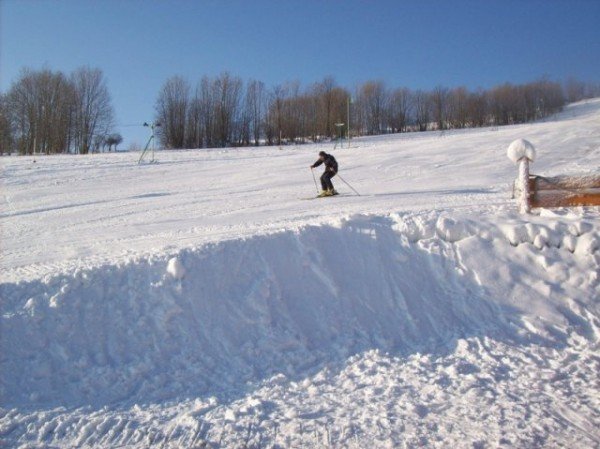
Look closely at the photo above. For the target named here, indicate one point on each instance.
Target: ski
(322, 197)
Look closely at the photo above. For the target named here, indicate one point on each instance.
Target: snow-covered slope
(201, 301)
(101, 208)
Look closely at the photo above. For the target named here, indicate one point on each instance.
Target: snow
(69, 212)
(175, 268)
(198, 302)
(519, 149)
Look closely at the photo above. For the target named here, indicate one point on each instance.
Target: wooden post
(523, 186)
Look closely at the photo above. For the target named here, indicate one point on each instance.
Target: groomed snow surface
(201, 302)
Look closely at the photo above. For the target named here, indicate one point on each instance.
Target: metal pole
(152, 142)
(344, 181)
(312, 170)
(348, 122)
(145, 150)
(198, 134)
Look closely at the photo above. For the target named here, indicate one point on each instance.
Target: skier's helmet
(322, 154)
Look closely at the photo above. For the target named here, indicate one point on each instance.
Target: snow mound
(290, 302)
(450, 230)
(519, 149)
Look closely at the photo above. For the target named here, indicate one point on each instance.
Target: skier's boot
(323, 194)
(334, 192)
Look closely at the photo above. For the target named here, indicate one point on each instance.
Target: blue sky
(418, 44)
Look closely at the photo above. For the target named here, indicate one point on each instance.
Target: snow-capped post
(522, 152)
(523, 182)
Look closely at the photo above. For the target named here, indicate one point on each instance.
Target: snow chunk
(175, 268)
(588, 244)
(230, 415)
(569, 242)
(516, 233)
(580, 227)
(540, 241)
(414, 228)
(451, 230)
(519, 149)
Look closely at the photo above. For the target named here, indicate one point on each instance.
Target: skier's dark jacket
(329, 161)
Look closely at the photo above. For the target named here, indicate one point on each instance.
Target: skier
(331, 169)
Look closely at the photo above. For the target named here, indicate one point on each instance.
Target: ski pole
(344, 181)
(312, 170)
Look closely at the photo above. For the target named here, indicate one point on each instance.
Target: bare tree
(39, 105)
(172, 109)
(339, 100)
(592, 90)
(228, 90)
(457, 108)
(206, 107)
(325, 92)
(6, 133)
(575, 90)
(422, 107)
(371, 99)
(255, 107)
(99, 144)
(503, 104)
(276, 118)
(295, 114)
(477, 109)
(92, 113)
(399, 108)
(193, 129)
(439, 104)
(523, 103)
(113, 139)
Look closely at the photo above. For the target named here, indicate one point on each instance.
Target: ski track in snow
(198, 302)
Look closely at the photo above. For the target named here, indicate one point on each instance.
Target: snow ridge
(222, 320)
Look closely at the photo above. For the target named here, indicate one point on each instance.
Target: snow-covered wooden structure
(533, 191)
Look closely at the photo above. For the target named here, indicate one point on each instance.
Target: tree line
(224, 111)
(49, 112)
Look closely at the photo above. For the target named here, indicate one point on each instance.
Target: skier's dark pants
(326, 183)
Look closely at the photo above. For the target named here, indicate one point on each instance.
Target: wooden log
(561, 197)
(566, 198)
(538, 183)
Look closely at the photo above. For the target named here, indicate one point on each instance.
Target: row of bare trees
(381, 110)
(225, 111)
(49, 112)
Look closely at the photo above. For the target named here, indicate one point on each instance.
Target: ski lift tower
(150, 141)
(340, 127)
